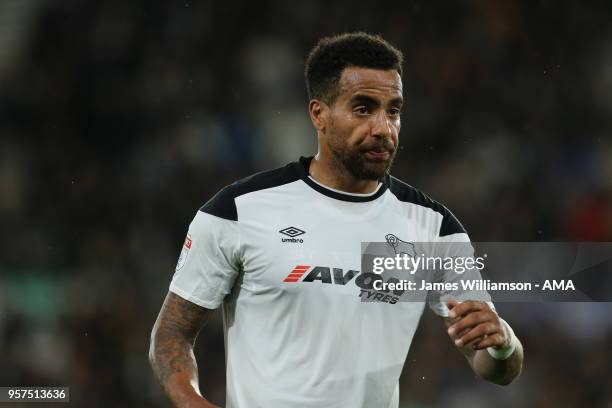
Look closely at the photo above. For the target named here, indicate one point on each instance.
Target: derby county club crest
(400, 247)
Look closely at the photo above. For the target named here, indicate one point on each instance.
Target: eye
(361, 110)
(395, 112)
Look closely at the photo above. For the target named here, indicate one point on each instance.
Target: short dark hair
(332, 55)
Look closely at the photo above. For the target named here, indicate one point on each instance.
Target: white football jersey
(281, 254)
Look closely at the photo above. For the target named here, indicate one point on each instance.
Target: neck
(334, 175)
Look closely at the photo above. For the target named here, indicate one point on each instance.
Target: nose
(380, 126)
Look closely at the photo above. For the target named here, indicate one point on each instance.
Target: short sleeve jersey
(281, 254)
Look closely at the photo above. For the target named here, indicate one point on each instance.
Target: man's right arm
(171, 350)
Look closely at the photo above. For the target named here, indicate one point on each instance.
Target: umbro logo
(292, 233)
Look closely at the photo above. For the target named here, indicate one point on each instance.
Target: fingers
(477, 333)
(475, 324)
(451, 304)
(495, 340)
(460, 309)
(468, 322)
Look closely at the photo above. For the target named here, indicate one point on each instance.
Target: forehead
(376, 82)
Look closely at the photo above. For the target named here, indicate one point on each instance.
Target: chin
(363, 168)
(374, 171)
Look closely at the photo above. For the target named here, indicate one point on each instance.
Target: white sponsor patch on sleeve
(184, 253)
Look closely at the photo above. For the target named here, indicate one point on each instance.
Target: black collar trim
(302, 167)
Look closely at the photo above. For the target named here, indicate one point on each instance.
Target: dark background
(118, 120)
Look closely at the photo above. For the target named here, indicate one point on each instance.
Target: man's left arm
(486, 341)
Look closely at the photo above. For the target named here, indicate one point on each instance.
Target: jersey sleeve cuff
(203, 303)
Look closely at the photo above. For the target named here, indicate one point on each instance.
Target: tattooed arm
(171, 350)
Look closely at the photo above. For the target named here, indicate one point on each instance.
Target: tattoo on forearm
(173, 338)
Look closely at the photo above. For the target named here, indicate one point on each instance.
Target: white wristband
(505, 352)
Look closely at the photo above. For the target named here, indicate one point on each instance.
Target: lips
(377, 154)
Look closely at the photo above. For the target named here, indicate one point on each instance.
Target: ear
(318, 114)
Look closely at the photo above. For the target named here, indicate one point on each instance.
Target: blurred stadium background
(118, 120)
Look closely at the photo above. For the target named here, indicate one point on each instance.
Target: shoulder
(223, 203)
(406, 193)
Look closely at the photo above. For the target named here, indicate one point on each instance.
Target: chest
(294, 250)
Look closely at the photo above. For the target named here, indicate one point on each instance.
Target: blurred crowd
(118, 120)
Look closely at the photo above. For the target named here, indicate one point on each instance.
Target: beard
(356, 162)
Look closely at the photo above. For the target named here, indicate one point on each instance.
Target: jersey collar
(302, 167)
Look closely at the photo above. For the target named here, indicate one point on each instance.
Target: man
(280, 251)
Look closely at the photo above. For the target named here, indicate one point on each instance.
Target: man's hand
(476, 325)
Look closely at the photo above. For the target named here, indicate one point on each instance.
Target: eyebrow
(399, 101)
(361, 98)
